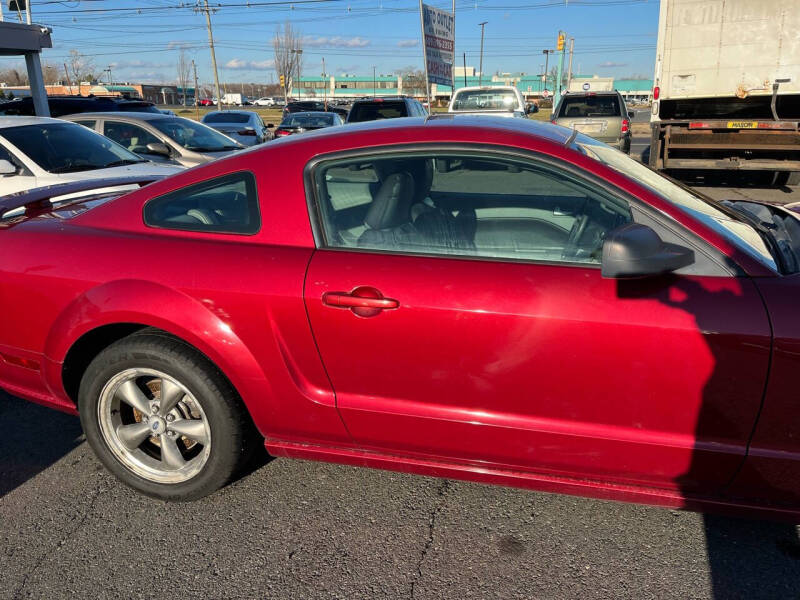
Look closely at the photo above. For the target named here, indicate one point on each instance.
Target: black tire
(787, 178)
(233, 436)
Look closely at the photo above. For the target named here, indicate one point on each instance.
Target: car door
(459, 309)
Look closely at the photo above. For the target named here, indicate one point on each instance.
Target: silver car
(244, 126)
(159, 137)
(601, 115)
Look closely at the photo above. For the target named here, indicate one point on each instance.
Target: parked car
(67, 105)
(392, 107)
(205, 102)
(236, 99)
(246, 127)
(160, 137)
(306, 121)
(313, 106)
(264, 102)
(37, 152)
(420, 295)
(601, 115)
(499, 101)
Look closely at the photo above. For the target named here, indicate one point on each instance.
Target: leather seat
(388, 218)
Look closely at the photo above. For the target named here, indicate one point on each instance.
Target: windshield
(572, 107)
(485, 100)
(194, 136)
(226, 117)
(740, 234)
(308, 121)
(374, 111)
(67, 147)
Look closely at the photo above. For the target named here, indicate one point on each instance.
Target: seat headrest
(392, 203)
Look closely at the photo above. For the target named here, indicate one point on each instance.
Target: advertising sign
(438, 30)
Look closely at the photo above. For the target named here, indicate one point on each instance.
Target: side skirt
(532, 481)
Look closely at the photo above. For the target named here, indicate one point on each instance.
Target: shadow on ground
(33, 438)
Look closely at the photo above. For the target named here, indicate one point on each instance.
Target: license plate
(742, 124)
(589, 127)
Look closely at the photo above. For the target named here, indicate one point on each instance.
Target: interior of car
(465, 205)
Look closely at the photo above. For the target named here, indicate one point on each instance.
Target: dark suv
(312, 106)
(393, 107)
(70, 105)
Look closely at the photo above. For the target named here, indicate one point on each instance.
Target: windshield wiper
(124, 161)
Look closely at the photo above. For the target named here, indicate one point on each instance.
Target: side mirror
(531, 108)
(7, 168)
(270, 125)
(635, 250)
(631, 114)
(158, 148)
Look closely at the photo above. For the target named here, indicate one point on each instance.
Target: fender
(123, 301)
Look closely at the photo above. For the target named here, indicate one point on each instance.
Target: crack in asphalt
(48, 553)
(440, 494)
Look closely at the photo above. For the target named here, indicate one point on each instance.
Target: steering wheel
(575, 234)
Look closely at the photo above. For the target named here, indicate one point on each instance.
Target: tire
(787, 178)
(136, 438)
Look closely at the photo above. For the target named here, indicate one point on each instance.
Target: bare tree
(413, 81)
(183, 73)
(81, 67)
(50, 74)
(288, 47)
(13, 76)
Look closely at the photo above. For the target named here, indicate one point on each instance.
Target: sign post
(438, 42)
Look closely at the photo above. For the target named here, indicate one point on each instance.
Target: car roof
(123, 114)
(476, 126)
(230, 112)
(485, 87)
(311, 112)
(20, 121)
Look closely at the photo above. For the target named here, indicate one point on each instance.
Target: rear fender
(154, 305)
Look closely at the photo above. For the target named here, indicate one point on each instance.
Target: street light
(480, 73)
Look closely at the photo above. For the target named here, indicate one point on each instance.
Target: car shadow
(747, 558)
(33, 438)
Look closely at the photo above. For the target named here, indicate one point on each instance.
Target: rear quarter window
(227, 204)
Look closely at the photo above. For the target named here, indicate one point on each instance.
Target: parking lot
(297, 529)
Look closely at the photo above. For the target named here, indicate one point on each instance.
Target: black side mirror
(635, 250)
(158, 148)
(531, 108)
(270, 125)
(631, 114)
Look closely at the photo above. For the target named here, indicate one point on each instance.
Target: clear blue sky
(140, 39)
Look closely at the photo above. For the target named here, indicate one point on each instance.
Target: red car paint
(675, 391)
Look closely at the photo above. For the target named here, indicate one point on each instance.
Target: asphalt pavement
(296, 529)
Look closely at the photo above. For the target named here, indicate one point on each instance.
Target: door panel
(545, 367)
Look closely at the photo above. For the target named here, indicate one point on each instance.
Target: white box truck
(234, 99)
(726, 89)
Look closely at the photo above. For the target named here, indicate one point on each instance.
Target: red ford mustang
(494, 300)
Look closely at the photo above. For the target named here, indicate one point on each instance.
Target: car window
(194, 136)
(67, 147)
(227, 204)
(90, 124)
(312, 121)
(130, 136)
(468, 204)
(226, 117)
(372, 111)
(588, 106)
(485, 100)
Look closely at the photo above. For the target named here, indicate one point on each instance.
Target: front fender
(155, 305)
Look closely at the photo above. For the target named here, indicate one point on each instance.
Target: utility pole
(560, 47)
(196, 92)
(299, 54)
(569, 68)
(110, 78)
(326, 82)
(546, 65)
(373, 81)
(207, 11)
(480, 74)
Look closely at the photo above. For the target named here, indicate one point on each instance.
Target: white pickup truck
(499, 101)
